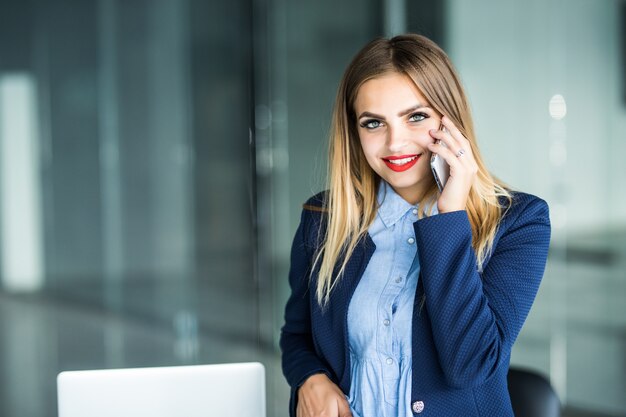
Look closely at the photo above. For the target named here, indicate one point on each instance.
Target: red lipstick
(401, 162)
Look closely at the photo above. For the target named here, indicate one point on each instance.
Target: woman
(407, 300)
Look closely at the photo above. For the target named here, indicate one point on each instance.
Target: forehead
(387, 93)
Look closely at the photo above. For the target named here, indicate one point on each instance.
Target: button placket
(403, 256)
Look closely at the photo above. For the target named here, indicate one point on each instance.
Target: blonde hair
(352, 185)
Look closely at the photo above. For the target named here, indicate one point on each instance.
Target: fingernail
(431, 131)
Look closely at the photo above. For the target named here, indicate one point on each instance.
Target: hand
(463, 166)
(319, 396)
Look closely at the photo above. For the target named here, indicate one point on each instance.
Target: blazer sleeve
(475, 318)
(299, 360)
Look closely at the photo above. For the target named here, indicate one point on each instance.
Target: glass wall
(127, 194)
(155, 154)
(546, 84)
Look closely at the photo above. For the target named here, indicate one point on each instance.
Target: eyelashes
(420, 116)
(372, 124)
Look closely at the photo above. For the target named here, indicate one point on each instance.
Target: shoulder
(317, 203)
(313, 220)
(526, 213)
(526, 206)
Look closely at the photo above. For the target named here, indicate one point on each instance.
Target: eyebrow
(400, 114)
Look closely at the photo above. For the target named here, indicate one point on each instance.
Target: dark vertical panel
(221, 64)
(72, 60)
(322, 38)
(136, 152)
(221, 55)
(428, 18)
(16, 32)
(622, 40)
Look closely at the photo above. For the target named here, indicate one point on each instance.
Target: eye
(418, 117)
(371, 124)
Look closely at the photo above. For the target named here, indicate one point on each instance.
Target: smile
(401, 163)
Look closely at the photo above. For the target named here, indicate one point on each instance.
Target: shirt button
(418, 407)
(415, 211)
(398, 280)
(386, 322)
(389, 361)
(410, 241)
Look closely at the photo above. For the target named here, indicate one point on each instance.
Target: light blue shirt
(380, 313)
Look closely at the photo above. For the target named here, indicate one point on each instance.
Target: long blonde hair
(352, 185)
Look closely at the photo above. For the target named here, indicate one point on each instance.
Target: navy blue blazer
(464, 321)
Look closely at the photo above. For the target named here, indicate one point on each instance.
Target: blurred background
(154, 156)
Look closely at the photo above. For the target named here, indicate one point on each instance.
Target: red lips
(401, 162)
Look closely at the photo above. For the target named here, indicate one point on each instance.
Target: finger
(448, 139)
(458, 140)
(303, 410)
(454, 131)
(462, 154)
(448, 155)
(343, 408)
(310, 407)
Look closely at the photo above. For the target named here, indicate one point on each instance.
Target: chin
(406, 180)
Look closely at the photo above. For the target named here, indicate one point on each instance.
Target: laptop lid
(192, 391)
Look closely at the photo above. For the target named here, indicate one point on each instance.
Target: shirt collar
(391, 207)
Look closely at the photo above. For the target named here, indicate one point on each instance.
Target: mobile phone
(439, 167)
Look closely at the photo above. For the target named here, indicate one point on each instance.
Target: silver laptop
(179, 391)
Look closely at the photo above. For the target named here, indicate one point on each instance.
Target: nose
(397, 138)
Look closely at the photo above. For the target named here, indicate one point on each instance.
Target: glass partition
(127, 199)
(155, 154)
(545, 82)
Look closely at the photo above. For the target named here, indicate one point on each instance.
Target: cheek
(371, 152)
(370, 148)
(422, 136)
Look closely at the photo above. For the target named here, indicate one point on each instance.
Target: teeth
(401, 161)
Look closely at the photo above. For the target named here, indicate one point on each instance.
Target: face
(393, 121)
